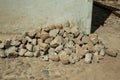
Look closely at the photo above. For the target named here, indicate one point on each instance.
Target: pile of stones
(56, 43)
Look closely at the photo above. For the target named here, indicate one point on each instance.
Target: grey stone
(44, 35)
(7, 43)
(45, 57)
(88, 58)
(2, 53)
(34, 41)
(59, 48)
(111, 52)
(48, 40)
(43, 46)
(102, 52)
(53, 32)
(36, 48)
(29, 47)
(22, 52)
(56, 42)
(11, 52)
(29, 54)
(64, 58)
(36, 53)
(2, 45)
(28, 39)
(15, 43)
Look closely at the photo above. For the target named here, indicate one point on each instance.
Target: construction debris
(56, 43)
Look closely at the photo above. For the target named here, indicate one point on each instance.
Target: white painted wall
(21, 15)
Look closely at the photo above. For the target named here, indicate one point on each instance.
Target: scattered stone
(59, 48)
(36, 53)
(29, 39)
(80, 51)
(111, 52)
(98, 47)
(75, 31)
(57, 41)
(64, 57)
(102, 52)
(50, 27)
(2, 53)
(58, 26)
(7, 43)
(29, 54)
(88, 58)
(90, 46)
(43, 46)
(36, 48)
(94, 38)
(78, 40)
(44, 35)
(68, 51)
(32, 34)
(54, 32)
(47, 41)
(85, 39)
(29, 47)
(15, 43)
(54, 57)
(22, 52)
(11, 52)
(34, 41)
(24, 41)
(45, 57)
(2, 45)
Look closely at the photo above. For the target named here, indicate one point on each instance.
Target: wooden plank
(114, 10)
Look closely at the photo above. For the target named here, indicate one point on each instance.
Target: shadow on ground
(99, 17)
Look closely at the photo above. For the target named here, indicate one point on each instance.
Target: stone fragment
(22, 46)
(98, 47)
(78, 40)
(36, 48)
(11, 52)
(80, 51)
(64, 57)
(32, 34)
(68, 51)
(43, 46)
(90, 46)
(29, 47)
(96, 57)
(15, 43)
(75, 57)
(36, 53)
(44, 35)
(75, 31)
(37, 35)
(70, 44)
(22, 52)
(85, 39)
(71, 60)
(2, 45)
(7, 43)
(67, 29)
(102, 52)
(57, 41)
(61, 32)
(51, 50)
(54, 57)
(94, 38)
(50, 27)
(29, 39)
(58, 26)
(88, 58)
(2, 53)
(24, 41)
(111, 52)
(45, 57)
(34, 41)
(59, 48)
(47, 41)
(54, 32)
(29, 54)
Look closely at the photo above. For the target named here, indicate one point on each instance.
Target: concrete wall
(24, 15)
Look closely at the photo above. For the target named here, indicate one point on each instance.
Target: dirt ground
(105, 24)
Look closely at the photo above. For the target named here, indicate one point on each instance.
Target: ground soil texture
(105, 24)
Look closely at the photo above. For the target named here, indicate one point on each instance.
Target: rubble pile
(57, 43)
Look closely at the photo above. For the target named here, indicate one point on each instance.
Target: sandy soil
(105, 24)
